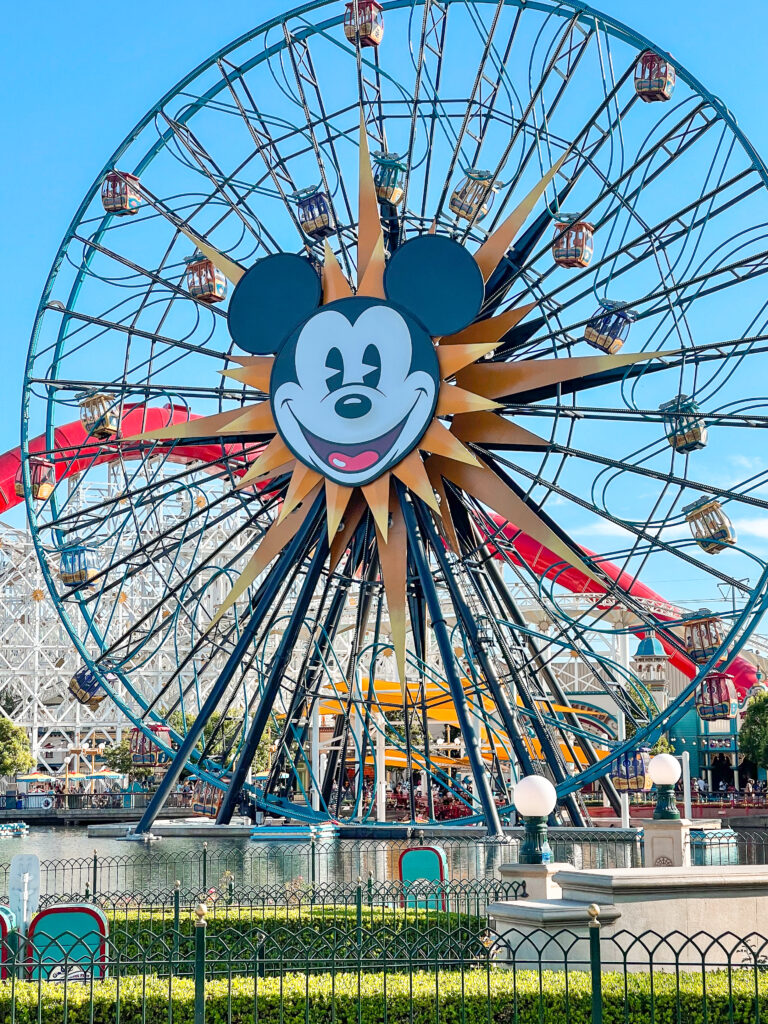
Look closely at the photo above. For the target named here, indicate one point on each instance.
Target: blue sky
(77, 77)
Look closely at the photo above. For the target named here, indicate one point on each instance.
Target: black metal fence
(385, 974)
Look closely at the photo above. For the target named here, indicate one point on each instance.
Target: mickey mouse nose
(353, 406)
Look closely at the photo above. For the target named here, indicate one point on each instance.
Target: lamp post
(664, 770)
(534, 800)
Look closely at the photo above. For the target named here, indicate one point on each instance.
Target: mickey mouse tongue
(354, 458)
(353, 463)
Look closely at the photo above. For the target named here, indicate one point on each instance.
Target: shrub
(294, 939)
(450, 997)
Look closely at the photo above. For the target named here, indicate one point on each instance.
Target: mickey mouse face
(355, 383)
(354, 389)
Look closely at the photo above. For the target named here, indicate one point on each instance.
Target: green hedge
(328, 937)
(476, 997)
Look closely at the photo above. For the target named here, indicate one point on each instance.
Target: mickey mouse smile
(354, 458)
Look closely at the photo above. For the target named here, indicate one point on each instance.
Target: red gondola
(144, 749)
(574, 242)
(43, 478)
(370, 22)
(120, 193)
(654, 77)
(716, 698)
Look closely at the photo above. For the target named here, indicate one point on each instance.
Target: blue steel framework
(677, 197)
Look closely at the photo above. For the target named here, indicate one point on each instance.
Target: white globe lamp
(665, 770)
(535, 799)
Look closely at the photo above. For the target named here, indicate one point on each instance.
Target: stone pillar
(539, 878)
(667, 843)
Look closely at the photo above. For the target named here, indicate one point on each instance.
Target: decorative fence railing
(316, 862)
(459, 905)
(51, 802)
(386, 975)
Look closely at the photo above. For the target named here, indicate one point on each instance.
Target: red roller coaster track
(84, 451)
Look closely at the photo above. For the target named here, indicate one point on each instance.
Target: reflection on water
(73, 864)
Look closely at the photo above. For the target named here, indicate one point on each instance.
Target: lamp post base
(666, 805)
(535, 848)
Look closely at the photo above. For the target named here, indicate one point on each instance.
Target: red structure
(144, 749)
(716, 698)
(120, 193)
(574, 243)
(370, 22)
(654, 77)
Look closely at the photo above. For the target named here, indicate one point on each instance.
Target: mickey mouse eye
(372, 363)
(334, 363)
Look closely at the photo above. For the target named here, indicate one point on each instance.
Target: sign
(24, 888)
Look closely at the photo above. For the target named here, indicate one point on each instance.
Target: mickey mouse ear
(436, 280)
(271, 300)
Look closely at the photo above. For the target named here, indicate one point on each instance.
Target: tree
(15, 753)
(753, 735)
(224, 744)
(120, 759)
(663, 745)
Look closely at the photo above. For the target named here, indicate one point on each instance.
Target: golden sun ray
(492, 329)
(492, 251)
(372, 283)
(335, 284)
(275, 454)
(453, 399)
(440, 441)
(272, 543)
(445, 510)
(230, 268)
(254, 371)
(453, 358)
(485, 486)
(377, 495)
(255, 419)
(487, 428)
(369, 232)
(302, 481)
(499, 380)
(346, 529)
(336, 501)
(202, 426)
(412, 473)
(393, 559)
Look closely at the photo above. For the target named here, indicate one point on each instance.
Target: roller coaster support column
(469, 735)
(277, 669)
(266, 595)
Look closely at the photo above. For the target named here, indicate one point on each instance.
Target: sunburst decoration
(456, 446)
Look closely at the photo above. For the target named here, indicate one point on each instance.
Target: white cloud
(752, 527)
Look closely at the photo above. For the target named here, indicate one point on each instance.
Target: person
(703, 787)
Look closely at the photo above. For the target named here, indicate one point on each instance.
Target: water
(67, 860)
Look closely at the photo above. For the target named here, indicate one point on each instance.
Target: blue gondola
(686, 428)
(609, 328)
(315, 213)
(388, 175)
(79, 564)
(630, 771)
(86, 688)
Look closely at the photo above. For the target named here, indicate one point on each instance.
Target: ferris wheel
(387, 325)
